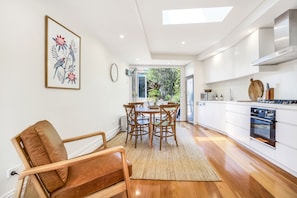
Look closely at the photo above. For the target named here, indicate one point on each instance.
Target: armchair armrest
(73, 161)
(102, 134)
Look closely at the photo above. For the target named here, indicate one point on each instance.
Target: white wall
(97, 106)
(283, 80)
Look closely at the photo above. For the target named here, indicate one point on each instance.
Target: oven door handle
(257, 118)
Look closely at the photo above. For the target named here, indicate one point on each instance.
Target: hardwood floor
(243, 173)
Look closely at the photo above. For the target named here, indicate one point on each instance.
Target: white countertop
(256, 104)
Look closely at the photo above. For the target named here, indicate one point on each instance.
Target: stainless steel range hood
(285, 40)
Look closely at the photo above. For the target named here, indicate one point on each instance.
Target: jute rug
(183, 163)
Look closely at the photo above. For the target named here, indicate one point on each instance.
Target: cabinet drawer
(238, 133)
(242, 109)
(240, 120)
(286, 134)
(286, 116)
(262, 148)
(286, 156)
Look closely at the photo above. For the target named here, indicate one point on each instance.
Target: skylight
(195, 15)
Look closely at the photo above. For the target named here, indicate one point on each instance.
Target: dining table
(151, 112)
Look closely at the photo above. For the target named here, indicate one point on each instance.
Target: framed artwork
(62, 56)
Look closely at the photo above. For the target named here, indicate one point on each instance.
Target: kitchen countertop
(256, 104)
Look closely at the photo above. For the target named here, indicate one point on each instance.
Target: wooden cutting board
(256, 89)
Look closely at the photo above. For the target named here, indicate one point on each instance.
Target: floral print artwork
(63, 60)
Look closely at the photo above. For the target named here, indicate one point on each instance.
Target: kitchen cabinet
(286, 134)
(263, 149)
(233, 119)
(219, 67)
(211, 114)
(238, 128)
(254, 46)
(286, 137)
(286, 156)
(235, 62)
(202, 116)
(238, 122)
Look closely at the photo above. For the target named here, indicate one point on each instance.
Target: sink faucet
(231, 95)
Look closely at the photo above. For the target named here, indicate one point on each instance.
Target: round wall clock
(114, 72)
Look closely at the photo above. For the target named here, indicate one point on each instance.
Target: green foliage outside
(164, 83)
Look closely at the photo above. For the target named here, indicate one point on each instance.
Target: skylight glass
(195, 15)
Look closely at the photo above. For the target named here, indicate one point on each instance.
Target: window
(155, 84)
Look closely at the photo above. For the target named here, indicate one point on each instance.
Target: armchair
(103, 173)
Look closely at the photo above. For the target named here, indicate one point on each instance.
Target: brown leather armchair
(103, 173)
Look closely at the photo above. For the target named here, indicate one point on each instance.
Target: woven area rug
(183, 163)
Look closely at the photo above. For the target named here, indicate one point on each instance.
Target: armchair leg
(19, 188)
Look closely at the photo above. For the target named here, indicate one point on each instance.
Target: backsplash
(284, 82)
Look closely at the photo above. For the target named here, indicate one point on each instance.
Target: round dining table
(151, 112)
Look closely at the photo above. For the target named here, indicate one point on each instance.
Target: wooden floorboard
(243, 173)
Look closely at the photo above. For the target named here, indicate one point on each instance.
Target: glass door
(190, 98)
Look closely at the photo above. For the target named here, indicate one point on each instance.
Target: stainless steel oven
(263, 125)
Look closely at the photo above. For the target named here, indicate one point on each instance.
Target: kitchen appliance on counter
(207, 96)
(262, 126)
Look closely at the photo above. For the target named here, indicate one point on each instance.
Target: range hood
(285, 40)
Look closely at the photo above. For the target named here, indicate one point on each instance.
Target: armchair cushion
(44, 146)
(91, 176)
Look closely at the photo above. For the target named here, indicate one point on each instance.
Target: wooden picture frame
(62, 56)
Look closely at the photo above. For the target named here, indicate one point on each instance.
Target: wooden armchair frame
(32, 171)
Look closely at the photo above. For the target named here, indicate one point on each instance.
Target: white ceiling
(147, 40)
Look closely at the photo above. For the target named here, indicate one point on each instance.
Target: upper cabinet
(219, 67)
(253, 47)
(236, 61)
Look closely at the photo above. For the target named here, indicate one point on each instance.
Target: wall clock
(114, 72)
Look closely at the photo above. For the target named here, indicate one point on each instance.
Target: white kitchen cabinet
(233, 118)
(286, 137)
(202, 115)
(287, 116)
(286, 128)
(238, 128)
(219, 67)
(212, 115)
(286, 134)
(238, 122)
(263, 149)
(235, 62)
(256, 45)
(286, 156)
